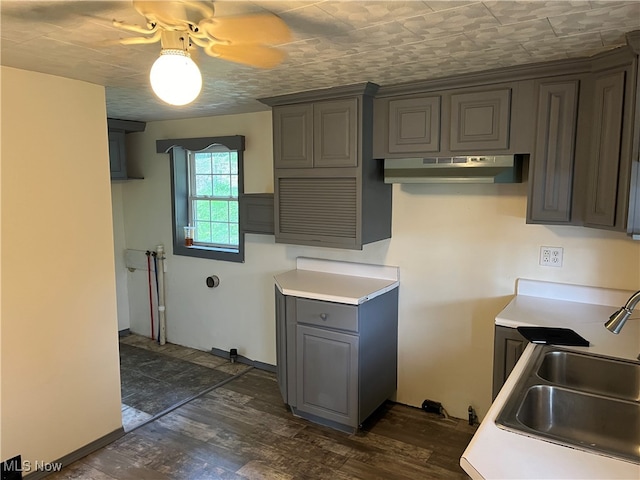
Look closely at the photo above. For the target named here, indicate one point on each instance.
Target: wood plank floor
(242, 430)
(155, 377)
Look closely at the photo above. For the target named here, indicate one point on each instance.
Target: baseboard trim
(124, 333)
(79, 453)
(244, 360)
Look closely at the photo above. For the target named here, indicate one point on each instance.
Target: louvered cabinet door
(321, 211)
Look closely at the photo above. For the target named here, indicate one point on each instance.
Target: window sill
(200, 251)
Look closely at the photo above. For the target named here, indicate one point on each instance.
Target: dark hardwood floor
(242, 430)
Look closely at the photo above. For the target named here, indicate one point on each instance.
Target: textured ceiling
(334, 43)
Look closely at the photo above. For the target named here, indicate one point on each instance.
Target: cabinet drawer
(327, 314)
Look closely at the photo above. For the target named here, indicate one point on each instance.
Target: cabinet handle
(324, 316)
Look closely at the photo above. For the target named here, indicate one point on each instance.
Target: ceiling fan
(179, 25)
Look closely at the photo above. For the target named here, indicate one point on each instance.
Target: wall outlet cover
(551, 256)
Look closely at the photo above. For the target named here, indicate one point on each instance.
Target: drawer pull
(324, 316)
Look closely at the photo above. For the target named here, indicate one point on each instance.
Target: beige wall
(460, 249)
(119, 248)
(60, 377)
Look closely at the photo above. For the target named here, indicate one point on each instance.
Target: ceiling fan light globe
(175, 78)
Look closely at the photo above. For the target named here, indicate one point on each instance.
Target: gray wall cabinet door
(327, 376)
(604, 162)
(551, 166)
(117, 155)
(293, 136)
(335, 139)
(508, 346)
(414, 125)
(480, 120)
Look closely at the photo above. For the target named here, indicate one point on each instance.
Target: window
(213, 198)
(207, 191)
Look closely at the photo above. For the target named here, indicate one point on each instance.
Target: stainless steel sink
(578, 400)
(594, 422)
(588, 373)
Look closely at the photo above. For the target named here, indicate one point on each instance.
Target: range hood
(468, 169)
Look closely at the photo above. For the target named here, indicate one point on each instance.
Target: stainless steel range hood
(468, 169)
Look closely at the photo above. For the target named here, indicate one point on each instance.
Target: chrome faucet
(618, 319)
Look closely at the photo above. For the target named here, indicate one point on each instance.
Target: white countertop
(334, 281)
(496, 453)
(585, 319)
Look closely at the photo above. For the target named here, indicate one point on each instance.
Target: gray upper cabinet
(117, 151)
(591, 180)
(552, 163)
(323, 134)
(480, 121)
(611, 188)
(293, 136)
(607, 160)
(443, 120)
(117, 155)
(414, 125)
(328, 190)
(335, 133)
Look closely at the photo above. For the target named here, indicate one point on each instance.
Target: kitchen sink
(578, 400)
(588, 373)
(595, 422)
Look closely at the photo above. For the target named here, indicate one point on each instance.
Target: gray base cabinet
(337, 363)
(508, 346)
(327, 377)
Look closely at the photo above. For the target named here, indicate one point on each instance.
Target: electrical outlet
(551, 256)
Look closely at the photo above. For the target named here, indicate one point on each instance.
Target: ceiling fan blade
(140, 40)
(266, 29)
(250, 54)
(177, 14)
